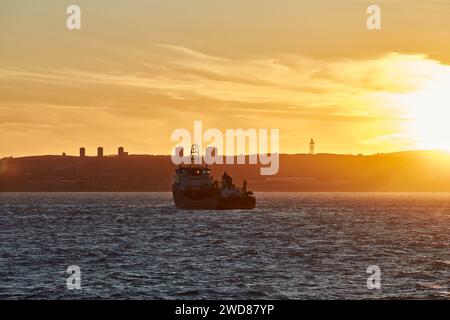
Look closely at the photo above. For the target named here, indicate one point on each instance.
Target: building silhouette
(82, 152)
(121, 152)
(99, 152)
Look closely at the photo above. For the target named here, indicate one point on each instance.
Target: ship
(194, 187)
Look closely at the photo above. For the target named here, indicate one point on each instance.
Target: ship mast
(195, 153)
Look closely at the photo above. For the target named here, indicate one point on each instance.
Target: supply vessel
(194, 187)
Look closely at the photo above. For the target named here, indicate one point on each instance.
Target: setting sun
(428, 111)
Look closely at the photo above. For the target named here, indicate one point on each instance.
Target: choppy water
(293, 246)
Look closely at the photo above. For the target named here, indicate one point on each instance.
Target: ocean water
(292, 246)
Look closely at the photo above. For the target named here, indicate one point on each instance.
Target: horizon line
(169, 155)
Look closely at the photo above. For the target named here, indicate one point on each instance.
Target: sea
(291, 246)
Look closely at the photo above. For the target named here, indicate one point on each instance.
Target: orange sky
(137, 70)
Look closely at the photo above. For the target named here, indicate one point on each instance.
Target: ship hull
(211, 202)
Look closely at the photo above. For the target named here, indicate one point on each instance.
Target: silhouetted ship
(193, 187)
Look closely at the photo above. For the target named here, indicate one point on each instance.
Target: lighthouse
(311, 146)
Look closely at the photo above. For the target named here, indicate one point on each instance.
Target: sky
(138, 70)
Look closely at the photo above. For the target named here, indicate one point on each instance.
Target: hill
(404, 171)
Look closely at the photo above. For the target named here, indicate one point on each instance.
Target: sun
(427, 111)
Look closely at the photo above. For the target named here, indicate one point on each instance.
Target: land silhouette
(403, 171)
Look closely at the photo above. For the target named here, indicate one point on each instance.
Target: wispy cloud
(281, 80)
(177, 84)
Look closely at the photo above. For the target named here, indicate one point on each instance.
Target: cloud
(176, 85)
(287, 80)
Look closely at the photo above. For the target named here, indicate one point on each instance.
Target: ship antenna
(195, 152)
